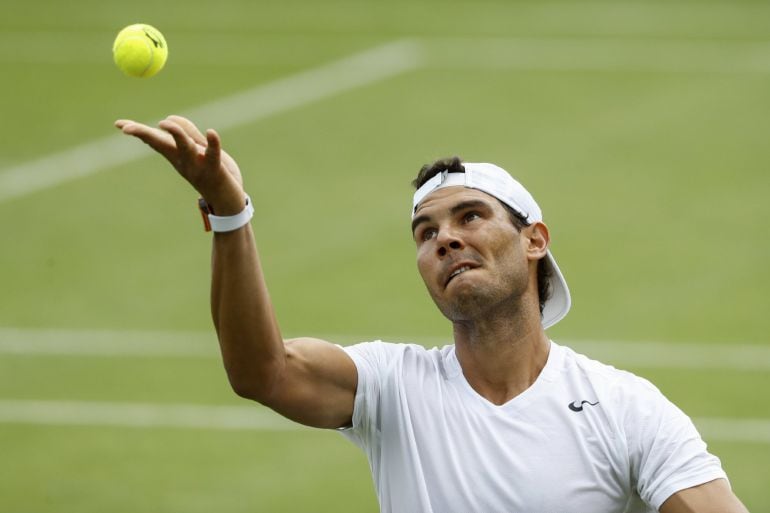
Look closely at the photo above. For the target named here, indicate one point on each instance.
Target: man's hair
(455, 165)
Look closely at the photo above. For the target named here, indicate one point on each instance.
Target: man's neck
(501, 356)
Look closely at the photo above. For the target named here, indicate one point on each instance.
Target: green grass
(653, 183)
(125, 470)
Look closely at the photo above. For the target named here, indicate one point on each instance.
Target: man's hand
(197, 157)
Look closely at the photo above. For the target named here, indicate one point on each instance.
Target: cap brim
(557, 306)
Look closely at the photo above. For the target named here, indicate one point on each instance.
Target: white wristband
(230, 223)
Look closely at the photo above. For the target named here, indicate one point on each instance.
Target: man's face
(469, 254)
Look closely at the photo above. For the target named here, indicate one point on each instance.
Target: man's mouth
(457, 272)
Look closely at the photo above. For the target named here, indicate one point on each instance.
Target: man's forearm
(249, 337)
(252, 348)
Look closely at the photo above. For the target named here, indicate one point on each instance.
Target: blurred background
(639, 126)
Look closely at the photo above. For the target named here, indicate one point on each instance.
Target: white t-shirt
(585, 437)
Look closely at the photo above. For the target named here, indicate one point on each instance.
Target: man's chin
(462, 306)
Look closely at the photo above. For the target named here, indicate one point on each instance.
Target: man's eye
(470, 216)
(428, 233)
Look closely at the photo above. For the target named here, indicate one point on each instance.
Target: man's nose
(448, 241)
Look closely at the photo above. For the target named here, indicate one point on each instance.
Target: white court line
(193, 345)
(598, 54)
(463, 53)
(257, 418)
(714, 429)
(143, 415)
(529, 53)
(666, 355)
(259, 103)
(105, 343)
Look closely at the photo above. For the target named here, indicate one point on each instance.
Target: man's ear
(538, 240)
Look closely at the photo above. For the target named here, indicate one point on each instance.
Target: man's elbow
(246, 390)
(256, 388)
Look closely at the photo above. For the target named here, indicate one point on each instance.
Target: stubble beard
(478, 301)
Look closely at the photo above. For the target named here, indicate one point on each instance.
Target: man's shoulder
(613, 381)
(381, 352)
(395, 347)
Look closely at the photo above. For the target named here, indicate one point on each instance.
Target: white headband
(488, 178)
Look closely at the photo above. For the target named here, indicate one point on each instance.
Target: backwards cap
(496, 182)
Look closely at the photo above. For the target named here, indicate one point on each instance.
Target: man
(503, 420)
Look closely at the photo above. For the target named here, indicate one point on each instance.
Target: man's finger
(187, 150)
(158, 140)
(213, 149)
(190, 129)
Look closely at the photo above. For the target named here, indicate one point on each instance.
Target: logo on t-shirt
(574, 406)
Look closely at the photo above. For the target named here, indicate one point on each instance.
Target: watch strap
(215, 223)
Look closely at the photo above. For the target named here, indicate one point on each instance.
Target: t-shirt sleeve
(666, 452)
(372, 360)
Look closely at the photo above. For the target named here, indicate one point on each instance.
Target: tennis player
(502, 420)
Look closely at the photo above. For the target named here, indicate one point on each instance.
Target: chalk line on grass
(108, 343)
(392, 59)
(173, 344)
(143, 344)
(603, 54)
(142, 415)
(257, 418)
(263, 101)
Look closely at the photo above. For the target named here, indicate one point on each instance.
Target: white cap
(496, 182)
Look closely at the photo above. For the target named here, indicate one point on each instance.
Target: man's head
(457, 214)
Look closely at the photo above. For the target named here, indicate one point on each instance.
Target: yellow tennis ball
(140, 50)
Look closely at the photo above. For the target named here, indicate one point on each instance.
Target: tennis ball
(140, 50)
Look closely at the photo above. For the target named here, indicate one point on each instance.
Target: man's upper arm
(712, 497)
(317, 386)
(666, 453)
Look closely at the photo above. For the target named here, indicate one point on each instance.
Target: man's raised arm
(307, 380)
